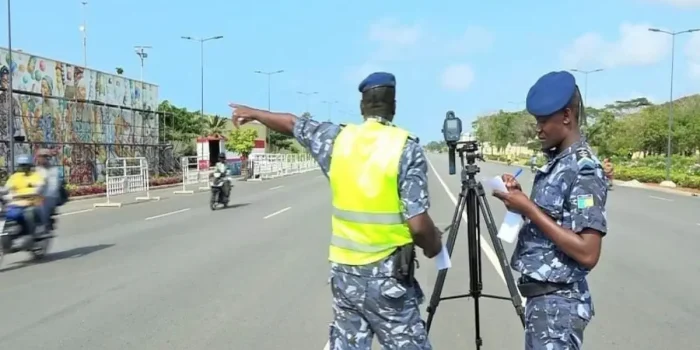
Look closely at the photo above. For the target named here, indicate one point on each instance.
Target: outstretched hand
(242, 114)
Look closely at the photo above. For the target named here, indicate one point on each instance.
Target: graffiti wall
(85, 116)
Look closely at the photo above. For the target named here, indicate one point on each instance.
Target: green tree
(242, 141)
(120, 70)
(180, 127)
(214, 126)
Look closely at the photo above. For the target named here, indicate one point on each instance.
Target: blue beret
(378, 79)
(550, 94)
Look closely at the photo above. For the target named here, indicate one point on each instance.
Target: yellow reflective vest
(367, 221)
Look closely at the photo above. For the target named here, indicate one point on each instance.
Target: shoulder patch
(585, 161)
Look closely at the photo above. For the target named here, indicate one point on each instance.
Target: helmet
(24, 159)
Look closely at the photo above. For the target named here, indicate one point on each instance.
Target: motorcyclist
(25, 187)
(52, 189)
(533, 162)
(609, 171)
(223, 169)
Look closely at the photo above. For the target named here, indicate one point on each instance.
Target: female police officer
(565, 220)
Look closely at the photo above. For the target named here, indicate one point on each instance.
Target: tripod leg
(500, 252)
(475, 282)
(442, 274)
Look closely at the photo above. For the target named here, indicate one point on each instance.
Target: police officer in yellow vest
(378, 178)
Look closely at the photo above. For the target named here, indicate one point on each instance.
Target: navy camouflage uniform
(368, 300)
(571, 188)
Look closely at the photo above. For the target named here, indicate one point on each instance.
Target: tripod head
(452, 132)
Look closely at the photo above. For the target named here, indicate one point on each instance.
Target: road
(173, 274)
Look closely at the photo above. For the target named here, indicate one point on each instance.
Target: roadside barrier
(126, 176)
(194, 171)
(269, 166)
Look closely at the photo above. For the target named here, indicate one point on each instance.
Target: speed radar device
(472, 200)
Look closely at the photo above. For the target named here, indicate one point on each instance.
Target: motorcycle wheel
(40, 249)
(212, 201)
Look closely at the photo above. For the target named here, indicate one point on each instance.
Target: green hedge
(652, 175)
(685, 172)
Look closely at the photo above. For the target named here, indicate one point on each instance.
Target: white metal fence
(126, 176)
(194, 172)
(268, 166)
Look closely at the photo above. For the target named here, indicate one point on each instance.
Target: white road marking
(75, 212)
(167, 214)
(277, 212)
(490, 254)
(488, 251)
(276, 187)
(661, 198)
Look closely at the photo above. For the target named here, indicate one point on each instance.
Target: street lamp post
(83, 29)
(10, 112)
(141, 52)
(201, 51)
(308, 98)
(585, 73)
(269, 99)
(330, 108)
(670, 103)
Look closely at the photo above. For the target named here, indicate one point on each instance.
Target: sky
(470, 57)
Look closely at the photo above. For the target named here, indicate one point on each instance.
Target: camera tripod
(472, 199)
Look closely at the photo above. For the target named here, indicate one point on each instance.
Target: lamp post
(10, 107)
(201, 50)
(83, 28)
(141, 52)
(585, 88)
(269, 93)
(308, 98)
(330, 108)
(670, 103)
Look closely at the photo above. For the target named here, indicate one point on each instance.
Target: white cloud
(457, 77)
(474, 39)
(692, 51)
(636, 46)
(394, 38)
(678, 3)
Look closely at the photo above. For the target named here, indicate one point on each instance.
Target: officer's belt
(530, 288)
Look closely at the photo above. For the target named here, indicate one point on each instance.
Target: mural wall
(85, 116)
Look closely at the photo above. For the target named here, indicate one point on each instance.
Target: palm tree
(215, 126)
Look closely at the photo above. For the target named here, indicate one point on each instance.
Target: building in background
(84, 115)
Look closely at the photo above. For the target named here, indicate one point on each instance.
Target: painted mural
(85, 116)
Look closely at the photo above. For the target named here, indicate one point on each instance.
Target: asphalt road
(173, 274)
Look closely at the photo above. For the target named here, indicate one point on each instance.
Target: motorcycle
(15, 238)
(217, 184)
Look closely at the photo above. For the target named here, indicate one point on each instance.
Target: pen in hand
(517, 173)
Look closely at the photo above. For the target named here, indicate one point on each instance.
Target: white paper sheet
(442, 260)
(512, 221)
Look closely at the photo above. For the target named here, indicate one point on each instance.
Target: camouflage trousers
(364, 306)
(552, 323)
